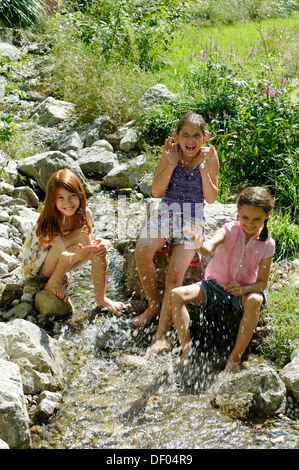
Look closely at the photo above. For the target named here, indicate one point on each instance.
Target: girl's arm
(167, 164)
(206, 247)
(258, 286)
(209, 169)
(69, 257)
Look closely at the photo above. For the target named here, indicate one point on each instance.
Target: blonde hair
(49, 221)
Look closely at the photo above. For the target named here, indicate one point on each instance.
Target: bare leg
(144, 254)
(181, 319)
(98, 272)
(178, 265)
(54, 269)
(252, 304)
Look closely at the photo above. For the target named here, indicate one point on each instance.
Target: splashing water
(119, 397)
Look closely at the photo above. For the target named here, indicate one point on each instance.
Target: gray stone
(250, 393)
(51, 112)
(290, 376)
(14, 420)
(49, 304)
(37, 354)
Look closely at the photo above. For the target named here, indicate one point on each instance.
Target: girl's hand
(102, 246)
(83, 252)
(196, 237)
(234, 288)
(209, 157)
(171, 151)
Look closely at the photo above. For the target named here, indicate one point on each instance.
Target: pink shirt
(236, 261)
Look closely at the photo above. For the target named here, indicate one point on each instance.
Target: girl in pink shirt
(237, 274)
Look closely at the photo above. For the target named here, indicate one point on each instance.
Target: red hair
(49, 221)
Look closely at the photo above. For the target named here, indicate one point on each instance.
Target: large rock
(11, 174)
(129, 140)
(155, 96)
(9, 51)
(49, 304)
(29, 196)
(37, 354)
(96, 161)
(14, 420)
(40, 168)
(23, 219)
(126, 175)
(290, 376)
(51, 112)
(99, 129)
(69, 140)
(216, 216)
(257, 392)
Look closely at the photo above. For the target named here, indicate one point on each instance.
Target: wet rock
(49, 304)
(48, 404)
(129, 361)
(257, 392)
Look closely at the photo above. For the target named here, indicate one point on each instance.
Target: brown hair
(49, 221)
(193, 118)
(258, 197)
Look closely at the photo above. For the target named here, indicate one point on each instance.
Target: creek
(119, 397)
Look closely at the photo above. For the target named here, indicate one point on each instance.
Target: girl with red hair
(62, 240)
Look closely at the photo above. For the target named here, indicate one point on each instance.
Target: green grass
(273, 40)
(282, 316)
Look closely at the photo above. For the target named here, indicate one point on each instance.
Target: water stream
(119, 397)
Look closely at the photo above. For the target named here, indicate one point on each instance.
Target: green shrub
(6, 127)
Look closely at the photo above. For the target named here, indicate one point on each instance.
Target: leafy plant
(6, 127)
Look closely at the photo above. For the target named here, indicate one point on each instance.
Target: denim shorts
(40, 274)
(214, 295)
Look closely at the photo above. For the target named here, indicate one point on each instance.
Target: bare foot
(232, 366)
(58, 290)
(111, 306)
(146, 317)
(159, 346)
(185, 361)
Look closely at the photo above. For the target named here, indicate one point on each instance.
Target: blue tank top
(184, 191)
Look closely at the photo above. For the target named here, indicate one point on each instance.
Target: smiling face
(190, 138)
(251, 219)
(66, 202)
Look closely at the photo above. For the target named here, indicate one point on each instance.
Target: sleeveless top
(184, 192)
